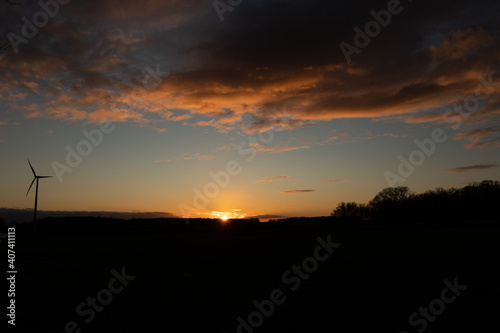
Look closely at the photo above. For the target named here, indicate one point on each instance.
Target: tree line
(477, 201)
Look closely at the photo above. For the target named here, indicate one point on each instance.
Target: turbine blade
(30, 186)
(44, 176)
(31, 167)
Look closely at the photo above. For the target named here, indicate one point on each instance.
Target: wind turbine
(36, 192)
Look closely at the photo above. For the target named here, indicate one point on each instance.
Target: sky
(244, 108)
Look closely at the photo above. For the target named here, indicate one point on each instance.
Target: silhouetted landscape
(476, 201)
(202, 274)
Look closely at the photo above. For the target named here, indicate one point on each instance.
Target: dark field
(203, 280)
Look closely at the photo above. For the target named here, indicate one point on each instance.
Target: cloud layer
(259, 69)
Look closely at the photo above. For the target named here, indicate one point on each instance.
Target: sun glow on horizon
(224, 216)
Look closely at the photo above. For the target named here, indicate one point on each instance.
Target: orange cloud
(279, 149)
(481, 137)
(274, 179)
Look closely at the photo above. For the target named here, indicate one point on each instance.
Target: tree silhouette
(350, 210)
(391, 202)
(477, 201)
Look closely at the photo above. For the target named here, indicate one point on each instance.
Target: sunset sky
(268, 92)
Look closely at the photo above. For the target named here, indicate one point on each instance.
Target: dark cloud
(297, 191)
(472, 168)
(266, 217)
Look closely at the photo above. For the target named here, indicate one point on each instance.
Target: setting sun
(227, 215)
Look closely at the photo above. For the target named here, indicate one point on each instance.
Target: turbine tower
(36, 192)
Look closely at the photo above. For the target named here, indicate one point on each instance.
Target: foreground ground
(203, 281)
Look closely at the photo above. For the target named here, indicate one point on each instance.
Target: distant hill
(26, 215)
